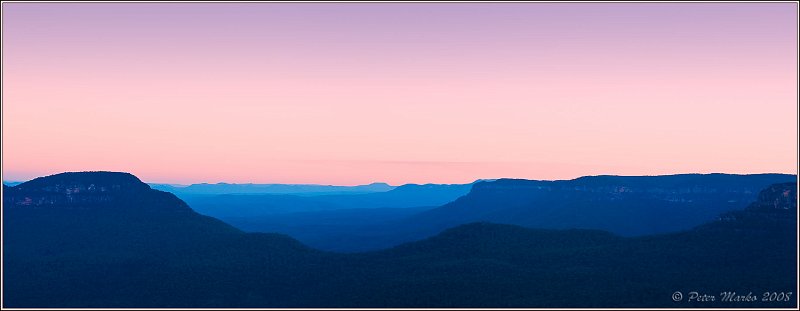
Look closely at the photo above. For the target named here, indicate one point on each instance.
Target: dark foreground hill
(107, 240)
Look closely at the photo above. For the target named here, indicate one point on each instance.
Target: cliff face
(680, 188)
(776, 206)
(777, 197)
(625, 205)
(88, 190)
(99, 213)
(85, 182)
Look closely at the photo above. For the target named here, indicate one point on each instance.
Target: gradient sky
(398, 92)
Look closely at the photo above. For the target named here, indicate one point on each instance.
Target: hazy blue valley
(387, 216)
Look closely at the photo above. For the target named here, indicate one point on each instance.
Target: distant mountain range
(624, 205)
(299, 189)
(255, 205)
(100, 239)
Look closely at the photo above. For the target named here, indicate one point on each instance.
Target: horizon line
(398, 185)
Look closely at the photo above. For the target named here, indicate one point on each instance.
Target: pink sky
(356, 93)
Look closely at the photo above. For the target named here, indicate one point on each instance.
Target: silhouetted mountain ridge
(88, 190)
(84, 183)
(658, 204)
(130, 256)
